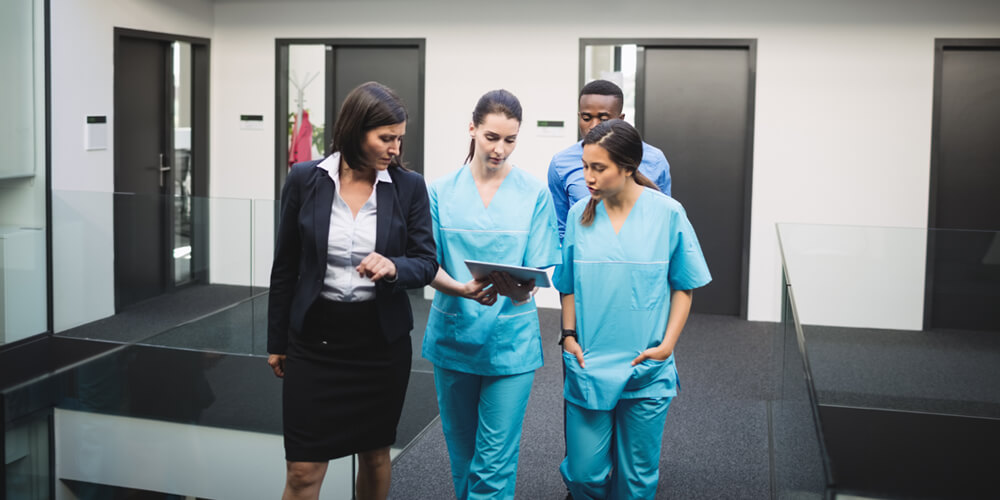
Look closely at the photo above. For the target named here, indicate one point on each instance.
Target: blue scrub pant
(614, 454)
(481, 417)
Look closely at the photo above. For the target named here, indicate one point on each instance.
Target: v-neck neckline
(628, 216)
(479, 196)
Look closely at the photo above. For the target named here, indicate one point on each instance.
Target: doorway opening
(963, 244)
(161, 164)
(315, 75)
(694, 100)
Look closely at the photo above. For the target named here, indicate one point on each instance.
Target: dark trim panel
(200, 161)
(280, 110)
(750, 44)
(49, 295)
(167, 37)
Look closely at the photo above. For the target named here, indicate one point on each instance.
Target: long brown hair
(494, 101)
(369, 106)
(624, 146)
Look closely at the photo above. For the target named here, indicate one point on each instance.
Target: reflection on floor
(165, 312)
(200, 359)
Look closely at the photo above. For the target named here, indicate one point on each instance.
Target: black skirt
(344, 384)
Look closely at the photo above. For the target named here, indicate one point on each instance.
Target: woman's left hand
(506, 285)
(375, 267)
(654, 353)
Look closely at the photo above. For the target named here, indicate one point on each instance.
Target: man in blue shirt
(600, 100)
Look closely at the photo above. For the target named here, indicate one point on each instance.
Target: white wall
(843, 104)
(82, 84)
(188, 460)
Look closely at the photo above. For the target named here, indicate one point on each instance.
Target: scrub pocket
(648, 372)
(649, 287)
(576, 388)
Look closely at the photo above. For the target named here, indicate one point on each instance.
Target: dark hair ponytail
(494, 101)
(624, 146)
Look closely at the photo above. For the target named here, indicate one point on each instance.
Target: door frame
(748, 44)
(940, 46)
(200, 119)
(281, 46)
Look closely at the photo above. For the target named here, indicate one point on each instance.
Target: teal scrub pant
(614, 454)
(481, 417)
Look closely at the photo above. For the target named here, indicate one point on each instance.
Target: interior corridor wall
(844, 93)
(82, 84)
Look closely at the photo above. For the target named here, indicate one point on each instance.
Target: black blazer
(403, 234)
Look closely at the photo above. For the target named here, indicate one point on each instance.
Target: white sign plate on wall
(95, 133)
(251, 122)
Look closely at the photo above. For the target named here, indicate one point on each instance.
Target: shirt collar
(332, 166)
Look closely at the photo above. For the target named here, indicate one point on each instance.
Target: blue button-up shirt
(567, 185)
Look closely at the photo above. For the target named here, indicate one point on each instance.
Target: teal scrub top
(518, 228)
(621, 286)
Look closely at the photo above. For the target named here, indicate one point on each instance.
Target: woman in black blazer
(354, 234)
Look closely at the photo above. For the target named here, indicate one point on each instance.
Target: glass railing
(129, 267)
(894, 343)
(22, 282)
(161, 388)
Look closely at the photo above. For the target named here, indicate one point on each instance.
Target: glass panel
(23, 308)
(861, 293)
(22, 282)
(182, 372)
(182, 241)
(616, 63)
(306, 102)
(899, 330)
(102, 256)
(800, 470)
(207, 415)
(26, 457)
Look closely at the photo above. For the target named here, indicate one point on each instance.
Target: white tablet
(482, 270)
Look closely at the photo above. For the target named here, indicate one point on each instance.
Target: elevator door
(964, 266)
(695, 104)
(399, 68)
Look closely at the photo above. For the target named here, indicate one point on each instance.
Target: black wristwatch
(566, 332)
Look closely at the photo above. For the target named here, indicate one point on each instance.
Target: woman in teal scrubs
(483, 336)
(630, 261)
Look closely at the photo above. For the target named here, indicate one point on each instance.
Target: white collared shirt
(351, 239)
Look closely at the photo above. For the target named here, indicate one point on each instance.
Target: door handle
(163, 169)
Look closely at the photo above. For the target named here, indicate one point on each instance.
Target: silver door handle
(163, 168)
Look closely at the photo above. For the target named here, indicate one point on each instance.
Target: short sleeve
(560, 200)
(542, 249)
(688, 269)
(562, 277)
(436, 221)
(664, 181)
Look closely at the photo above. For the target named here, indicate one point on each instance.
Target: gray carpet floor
(715, 443)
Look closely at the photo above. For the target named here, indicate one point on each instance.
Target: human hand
(571, 346)
(480, 291)
(655, 353)
(518, 291)
(277, 363)
(375, 267)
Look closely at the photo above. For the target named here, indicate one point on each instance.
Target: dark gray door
(399, 68)
(142, 146)
(695, 104)
(964, 267)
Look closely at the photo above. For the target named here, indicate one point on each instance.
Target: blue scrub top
(518, 228)
(621, 285)
(567, 185)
